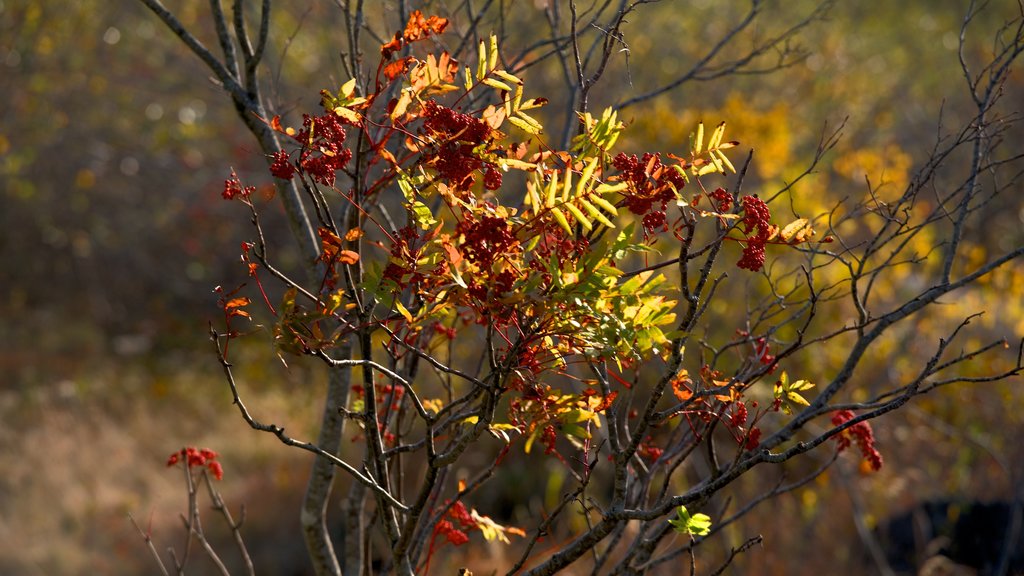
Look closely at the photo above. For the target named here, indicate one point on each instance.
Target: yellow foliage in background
(767, 131)
(887, 170)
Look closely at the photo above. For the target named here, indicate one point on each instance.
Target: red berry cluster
(860, 433)
(457, 514)
(739, 415)
(652, 185)
(457, 135)
(233, 188)
(648, 451)
(323, 148)
(282, 167)
(757, 226)
(753, 438)
(721, 199)
(486, 239)
(198, 457)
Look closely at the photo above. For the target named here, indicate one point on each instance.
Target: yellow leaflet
(530, 120)
(718, 163)
(595, 213)
(606, 188)
(580, 217)
(716, 136)
(567, 185)
(532, 103)
(560, 218)
(722, 157)
(469, 79)
(498, 84)
(518, 98)
(493, 62)
(532, 198)
(588, 172)
(552, 188)
(792, 228)
(608, 206)
(508, 104)
(403, 311)
(512, 163)
(523, 125)
(707, 169)
(457, 277)
(481, 65)
(698, 143)
(348, 88)
(350, 115)
(508, 77)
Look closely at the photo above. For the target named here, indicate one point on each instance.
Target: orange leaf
(420, 27)
(348, 257)
(398, 67)
(354, 234)
(236, 303)
(605, 402)
(680, 386)
(391, 47)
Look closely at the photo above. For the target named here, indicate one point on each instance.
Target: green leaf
(694, 525)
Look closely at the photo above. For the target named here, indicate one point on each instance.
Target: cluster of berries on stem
(197, 458)
(756, 224)
(652, 185)
(860, 433)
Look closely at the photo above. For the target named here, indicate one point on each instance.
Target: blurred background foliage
(113, 151)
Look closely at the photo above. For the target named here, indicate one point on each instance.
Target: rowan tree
(485, 293)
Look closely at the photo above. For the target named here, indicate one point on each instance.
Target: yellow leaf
(498, 84)
(513, 164)
(508, 77)
(560, 218)
(585, 176)
(608, 206)
(716, 136)
(403, 103)
(523, 125)
(403, 311)
(595, 213)
(607, 188)
(725, 160)
(790, 230)
(549, 199)
(348, 88)
(433, 404)
(530, 120)
(493, 62)
(481, 65)
(567, 184)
